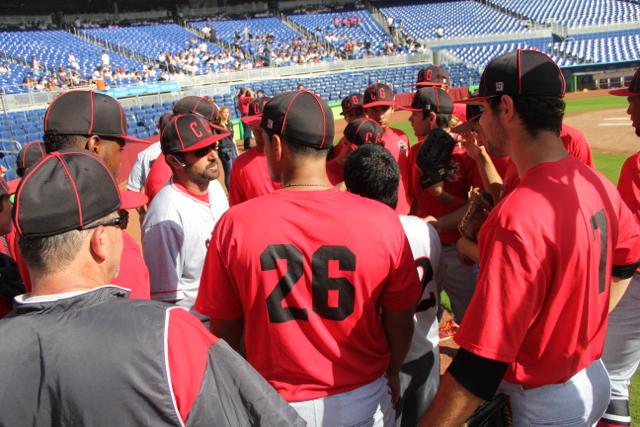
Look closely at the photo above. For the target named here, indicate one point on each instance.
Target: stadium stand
(601, 48)
(574, 13)
(365, 37)
(453, 19)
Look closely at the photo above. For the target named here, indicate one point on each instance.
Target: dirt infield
(607, 131)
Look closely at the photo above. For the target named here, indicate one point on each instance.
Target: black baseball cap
(30, 154)
(351, 101)
(254, 117)
(432, 75)
(520, 73)
(378, 94)
(632, 90)
(363, 131)
(300, 117)
(472, 115)
(163, 120)
(431, 99)
(67, 190)
(189, 132)
(202, 105)
(85, 112)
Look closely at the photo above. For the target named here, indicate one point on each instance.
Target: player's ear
(93, 144)
(276, 146)
(508, 107)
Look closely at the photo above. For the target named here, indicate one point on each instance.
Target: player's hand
(394, 388)
(467, 251)
(470, 143)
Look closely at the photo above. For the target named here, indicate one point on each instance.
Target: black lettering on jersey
(268, 261)
(599, 222)
(427, 275)
(321, 284)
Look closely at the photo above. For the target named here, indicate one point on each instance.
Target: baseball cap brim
(475, 100)
(206, 142)
(378, 103)
(128, 138)
(252, 121)
(132, 199)
(466, 127)
(406, 108)
(429, 84)
(623, 92)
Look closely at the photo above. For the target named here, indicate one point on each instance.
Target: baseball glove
(433, 157)
(480, 203)
(494, 413)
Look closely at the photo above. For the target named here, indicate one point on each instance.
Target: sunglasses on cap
(121, 221)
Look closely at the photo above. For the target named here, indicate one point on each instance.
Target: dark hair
(372, 172)
(303, 150)
(443, 121)
(54, 141)
(537, 113)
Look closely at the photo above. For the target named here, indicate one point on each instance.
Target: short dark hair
(54, 141)
(372, 172)
(443, 121)
(537, 113)
(300, 149)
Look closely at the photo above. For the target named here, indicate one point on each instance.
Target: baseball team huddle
(304, 287)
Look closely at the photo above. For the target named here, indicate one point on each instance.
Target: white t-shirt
(142, 166)
(175, 236)
(426, 248)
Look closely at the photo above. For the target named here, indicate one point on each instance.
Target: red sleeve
(158, 176)
(627, 245)
(629, 184)
(133, 273)
(403, 283)
(576, 144)
(510, 281)
(14, 249)
(235, 187)
(217, 296)
(188, 345)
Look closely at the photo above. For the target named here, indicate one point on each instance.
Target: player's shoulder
(632, 162)
(398, 133)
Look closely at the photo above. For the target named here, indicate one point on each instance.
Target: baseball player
(556, 255)
(176, 229)
(352, 107)
(435, 76)
(358, 132)
(371, 172)
(431, 109)
(87, 354)
(250, 175)
(622, 346)
(29, 155)
(379, 105)
(324, 313)
(145, 158)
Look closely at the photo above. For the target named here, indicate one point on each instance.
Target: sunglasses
(121, 221)
(201, 152)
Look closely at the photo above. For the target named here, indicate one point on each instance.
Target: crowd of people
(299, 283)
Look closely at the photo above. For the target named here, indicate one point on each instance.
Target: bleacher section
(455, 18)
(52, 48)
(11, 82)
(150, 40)
(574, 13)
(368, 31)
(601, 48)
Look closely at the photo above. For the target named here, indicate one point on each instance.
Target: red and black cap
(7, 188)
(352, 101)
(189, 132)
(30, 154)
(300, 117)
(432, 75)
(363, 131)
(378, 94)
(254, 117)
(66, 190)
(163, 120)
(472, 115)
(520, 73)
(632, 90)
(202, 105)
(85, 112)
(432, 100)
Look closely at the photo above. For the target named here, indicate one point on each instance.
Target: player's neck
(66, 280)
(308, 175)
(529, 151)
(193, 187)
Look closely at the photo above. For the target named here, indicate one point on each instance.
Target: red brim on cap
(252, 121)
(465, 127)
(132, 199)
(429, 84)
(378, 103)
(623, 92)
(128, 138)
(206, 142)
(416, 110)
(477, 100)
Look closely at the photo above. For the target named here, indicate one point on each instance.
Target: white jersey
(142, 166)
(175, 236)
(426, 248)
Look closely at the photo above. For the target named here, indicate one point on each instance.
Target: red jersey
(133, 272)
(335, 172)
(629, 184)
(310, 287)
(243, 104)
(159, 175)
(463, 175)
(397, 143)
(250, 177)
(546, 255)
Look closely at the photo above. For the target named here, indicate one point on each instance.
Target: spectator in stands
(35, 64)
(73, 61)
(227, 150)
(4, 68)
(106, 60)
(245, 95)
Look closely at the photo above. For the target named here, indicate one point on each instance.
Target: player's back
(309, 277)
